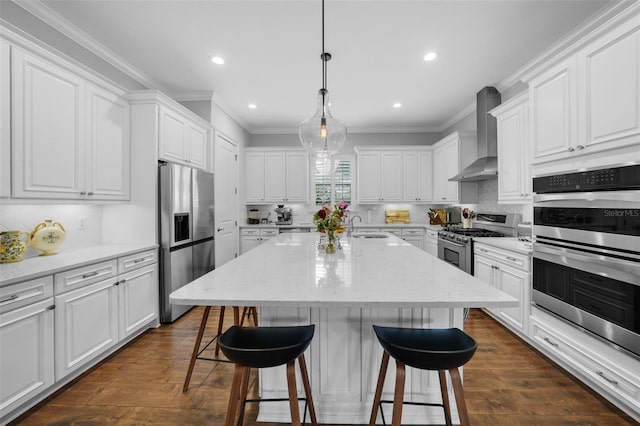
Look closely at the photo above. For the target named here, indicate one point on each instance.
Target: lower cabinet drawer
(615, 379)
(80, 277)
(136, 261)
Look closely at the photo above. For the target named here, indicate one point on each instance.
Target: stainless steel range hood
(486, 166)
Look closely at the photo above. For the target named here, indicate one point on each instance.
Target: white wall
(353, 139)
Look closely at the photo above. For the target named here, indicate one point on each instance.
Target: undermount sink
(361, 235)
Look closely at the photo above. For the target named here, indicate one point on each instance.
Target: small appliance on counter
(285, 216)
(253, 218)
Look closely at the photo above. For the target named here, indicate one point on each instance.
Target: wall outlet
(82, 223)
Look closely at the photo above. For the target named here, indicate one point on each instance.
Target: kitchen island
(384, 281)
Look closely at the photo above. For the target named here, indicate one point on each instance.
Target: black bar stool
(197, 352)
(424, 349)
(262, 347)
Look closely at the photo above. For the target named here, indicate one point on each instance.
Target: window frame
(345, 157)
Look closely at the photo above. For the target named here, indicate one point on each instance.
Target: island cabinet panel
(344, 362)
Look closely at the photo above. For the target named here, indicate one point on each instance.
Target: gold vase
(13, 244)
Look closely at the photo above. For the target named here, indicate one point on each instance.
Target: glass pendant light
(323, 135)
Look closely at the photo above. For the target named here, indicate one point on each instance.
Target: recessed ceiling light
(430, 56)
(217, 60)
(252, 106)
(397, 105)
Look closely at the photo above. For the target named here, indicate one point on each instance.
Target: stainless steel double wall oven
(586, 251)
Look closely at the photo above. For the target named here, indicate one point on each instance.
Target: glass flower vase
(331, 242)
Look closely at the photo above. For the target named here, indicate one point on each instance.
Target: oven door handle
(453, 244)
(618, 269)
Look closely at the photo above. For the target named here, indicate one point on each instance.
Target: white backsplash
(25, 217)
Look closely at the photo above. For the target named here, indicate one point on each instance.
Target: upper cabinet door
(274, 177)
(369, 177)
(173, 131)
(48, 104)
(254, 177)
(610, 82)
(5, 120)
(446, 164)
(297, 172)
(197, 146)
(410, 166)
(425, 176)
(392, 177)
(108, 152)
(553, 98)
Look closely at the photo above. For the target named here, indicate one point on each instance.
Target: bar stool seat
(263, 347)
(424, 349)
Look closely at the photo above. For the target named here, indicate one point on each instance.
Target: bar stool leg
(254, 314)
(445, 397)
(243, 393)
(307, 389)
(459, 394)
(293, 394)
(196, 347)
(398, 396)
(232, 406)
(220, 324)
(378, 395)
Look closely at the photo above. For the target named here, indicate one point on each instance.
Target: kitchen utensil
(13, 244)
(47, 236)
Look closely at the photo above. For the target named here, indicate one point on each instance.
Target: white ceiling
(272, 52)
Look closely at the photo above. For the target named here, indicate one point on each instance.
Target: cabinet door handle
(571, 149)
(554, 344)
(90, 274)
(513, 259)
(580, 147)
(142, 259)
(83, 193)
(10, 298)
(51, 307)
(122, 281)
(90, 193)
(601, 374)
(483, 250)
(219, 229)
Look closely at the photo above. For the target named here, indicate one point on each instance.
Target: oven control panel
(611, 179)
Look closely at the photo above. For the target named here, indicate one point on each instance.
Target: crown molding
(53, 19)
(194, 96)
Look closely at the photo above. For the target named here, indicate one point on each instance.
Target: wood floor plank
(505, 383)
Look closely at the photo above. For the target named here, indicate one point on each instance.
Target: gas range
(455, 243)
(465, 235)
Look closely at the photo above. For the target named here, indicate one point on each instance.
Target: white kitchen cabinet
(181, 140)
(252, 237)
(275, 176)
(48, 129)
(609, 88)
(413, 236)
(254, 177)
(108, 170)
(5, 120)
(450, 155)
(585, 111)
(137, 300)
(554, 112)
(509, 272)
(431, 242)
(101, 304)
(86, 325)
(514, 170)
(611, 372)
(26, 342)
(418, 176)
(380, 176)
(70, 138)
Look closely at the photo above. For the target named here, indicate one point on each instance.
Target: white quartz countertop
(507, 243)
(290, 270)
(35, 267)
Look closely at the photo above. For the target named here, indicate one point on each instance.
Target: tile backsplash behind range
(488, 201)
(25, 217)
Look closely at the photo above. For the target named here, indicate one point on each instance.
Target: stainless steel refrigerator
(186, 231)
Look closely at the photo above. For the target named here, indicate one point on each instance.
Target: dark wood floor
(506, 383)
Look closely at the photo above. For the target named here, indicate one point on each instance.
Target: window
(336, 187)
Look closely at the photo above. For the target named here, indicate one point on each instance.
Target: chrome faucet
(350, 230)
